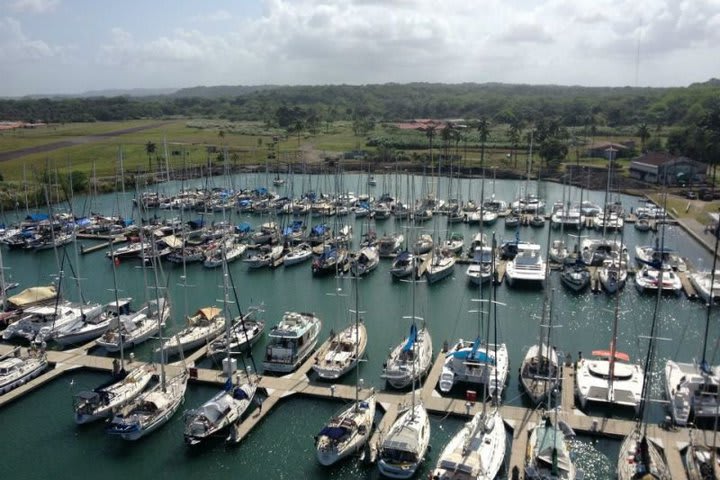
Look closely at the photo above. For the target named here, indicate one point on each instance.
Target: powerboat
(291, 341)
(528, 266)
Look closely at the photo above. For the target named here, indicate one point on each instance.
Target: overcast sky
(72, 46)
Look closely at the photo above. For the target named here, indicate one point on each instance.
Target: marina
(443, 304)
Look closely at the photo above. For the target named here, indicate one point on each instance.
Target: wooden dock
(687, 286)
(102, 246)
(595, 285)
(520, 420)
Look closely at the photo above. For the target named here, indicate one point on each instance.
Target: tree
(552, 151)
(298, 128)
(483, 128)
(514, 137)
(150, 148)
(430, 134)
(644, 133)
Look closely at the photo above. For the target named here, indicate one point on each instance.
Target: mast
(357, 340)
(226, 302)
(117, 306)
(704, 366)
(493, 292)
(613, 338)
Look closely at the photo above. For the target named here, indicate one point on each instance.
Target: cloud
(16, 47)
(378, 41)
(216, 16)
(34, 6)
(181, 47)
(526, 33)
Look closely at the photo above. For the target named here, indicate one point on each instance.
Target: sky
(74, 46)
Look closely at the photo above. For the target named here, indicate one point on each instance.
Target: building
(600, 150)
(663, 168)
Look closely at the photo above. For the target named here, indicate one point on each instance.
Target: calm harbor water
(42, 439)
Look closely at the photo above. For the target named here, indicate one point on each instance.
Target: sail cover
(412, 338)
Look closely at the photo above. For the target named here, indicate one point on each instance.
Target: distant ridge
(222, 91)
(110, 92)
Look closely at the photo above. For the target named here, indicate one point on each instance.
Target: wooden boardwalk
(687, 285)
(520, 420)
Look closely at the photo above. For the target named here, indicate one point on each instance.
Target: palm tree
(298, 127)
(644, 133)
(483, 128)
(150, 148)
(514, 137)
(430, 134)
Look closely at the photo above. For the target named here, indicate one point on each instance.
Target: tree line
(319, 106)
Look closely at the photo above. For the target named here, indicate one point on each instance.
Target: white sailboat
(548, 455)
(693, 388)
(539, 372)
(478, 361)
(17, 369)
(227, 406)
(410, 359)
(610, 378)
(639, 457)
(476, 452)
(404, 446)
(201, 329)
(152, 409)
(349, 431)
(101, 402)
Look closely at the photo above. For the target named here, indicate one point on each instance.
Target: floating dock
(520, 420)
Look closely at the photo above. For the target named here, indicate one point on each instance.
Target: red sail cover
(606, 353)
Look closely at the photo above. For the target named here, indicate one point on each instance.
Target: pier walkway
(520, 419)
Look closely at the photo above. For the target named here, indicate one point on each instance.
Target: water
(282, 445)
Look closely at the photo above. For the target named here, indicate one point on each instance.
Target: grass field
(246, 142)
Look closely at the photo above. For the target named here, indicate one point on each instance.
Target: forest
(283, 106)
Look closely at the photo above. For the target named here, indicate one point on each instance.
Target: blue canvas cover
(319, 229)
(334, 432)
(243, 228)
(474, 355)
(412, 338)
(37, 217)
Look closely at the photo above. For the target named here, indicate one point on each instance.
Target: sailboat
(540, 368)
(477, 361)
(701, 461)
(610, 377)
(152, 409)
(347, 432)
(548, 455)
(404, 447)
(101, 402)
(410, 359)
(227, 406)
(477, 451)
(694, 388)
(17, 369)
(639, 457)
(202, 328)
(343, 351)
